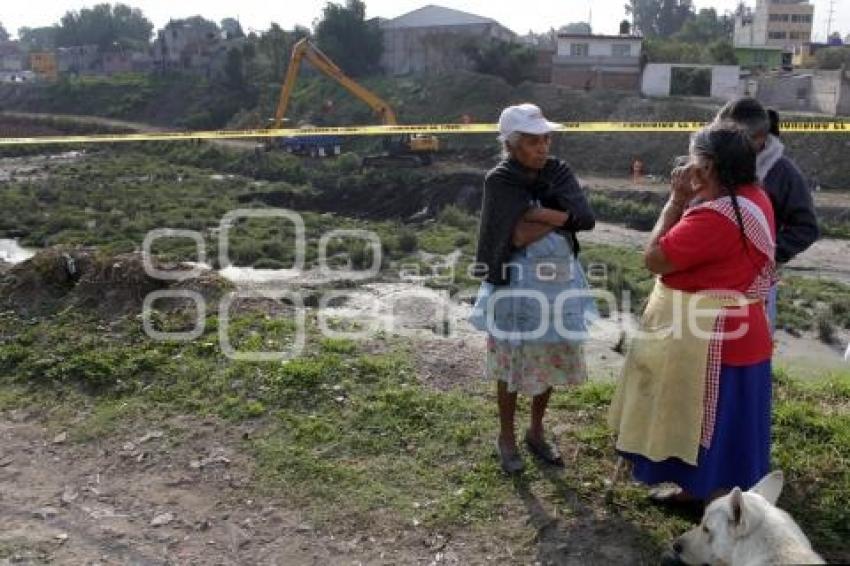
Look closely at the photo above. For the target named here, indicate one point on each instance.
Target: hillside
(175, 101)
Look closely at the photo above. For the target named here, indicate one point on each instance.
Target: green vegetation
(642, 213)
(344, 432)
(637, 215)
(718, 52)
(813, 304)
(811, 435)
(351, 41)
(350, 428)
(833, 57)
(109, 27)
(513, 62)
(80, 205)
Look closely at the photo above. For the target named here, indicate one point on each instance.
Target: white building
(431, 39)
(610, 62)
(722, 82)
(774, 25)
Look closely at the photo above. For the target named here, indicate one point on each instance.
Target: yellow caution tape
(598, 127)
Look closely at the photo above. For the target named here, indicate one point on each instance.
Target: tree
(273, 48)
(720, 52)
(513, 62)
(582, 28)
(38, 39)
(232, 28)
(833, 57)
(206, 28)
(234, 71)
(705, 27)
(659, 50)
(4, 35)
(659, 18)
(104, 25)
(346, 37)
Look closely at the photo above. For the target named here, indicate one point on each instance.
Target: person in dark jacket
(793, 206)
(532, 208)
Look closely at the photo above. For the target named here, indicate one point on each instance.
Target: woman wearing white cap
(527, 248)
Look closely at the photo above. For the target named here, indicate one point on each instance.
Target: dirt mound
(111, 286)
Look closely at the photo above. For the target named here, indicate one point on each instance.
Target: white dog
(747, 529)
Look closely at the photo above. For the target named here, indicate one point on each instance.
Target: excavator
(409, 149)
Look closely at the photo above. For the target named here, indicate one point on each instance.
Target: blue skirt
(740, 449)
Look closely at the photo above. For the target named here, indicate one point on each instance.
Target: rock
(162, 519)
(204, 462)
(61, 537)
(238, 537)
(69, 495)
(60, 438)
(152, 435)
(45, 513)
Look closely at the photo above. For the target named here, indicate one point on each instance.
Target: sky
(537, 15)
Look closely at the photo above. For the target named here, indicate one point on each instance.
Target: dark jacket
(509, 190)
(793, 208)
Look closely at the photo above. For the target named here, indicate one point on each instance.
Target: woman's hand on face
(681, 189)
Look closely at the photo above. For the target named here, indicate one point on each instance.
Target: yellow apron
(658, 408)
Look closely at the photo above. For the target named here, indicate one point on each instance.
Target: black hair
(734, 158)
(773, 117)
(748, 113)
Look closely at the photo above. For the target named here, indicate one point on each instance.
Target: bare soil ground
(110, 124)
(181, 497)
(182, 491)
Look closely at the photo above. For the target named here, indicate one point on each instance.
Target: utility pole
(829, 19)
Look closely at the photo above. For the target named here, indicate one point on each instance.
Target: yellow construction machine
(405, 149)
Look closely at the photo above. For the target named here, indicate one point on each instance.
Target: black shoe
(545, 451)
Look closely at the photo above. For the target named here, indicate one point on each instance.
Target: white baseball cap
(526, 119)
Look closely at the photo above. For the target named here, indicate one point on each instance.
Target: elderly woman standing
(527, 249)
(693, 405)
(793, 206)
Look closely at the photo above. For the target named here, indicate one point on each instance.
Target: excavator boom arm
(305, 49)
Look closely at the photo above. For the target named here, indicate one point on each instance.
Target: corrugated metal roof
(431, 15)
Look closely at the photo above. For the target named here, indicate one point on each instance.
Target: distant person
(794, 208)
(532, 208)
(637, 170)
(693, 406)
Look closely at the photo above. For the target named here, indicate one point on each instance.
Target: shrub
(408, 241)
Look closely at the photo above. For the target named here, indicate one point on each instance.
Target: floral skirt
(532, 368)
